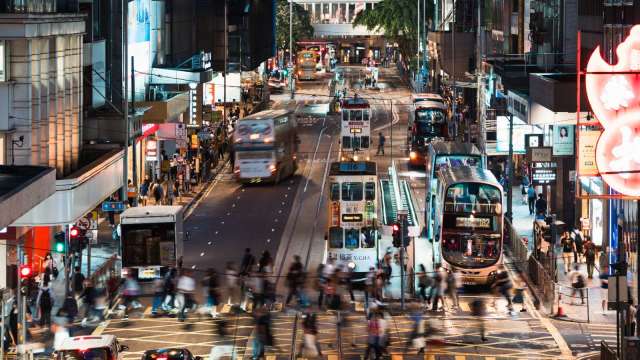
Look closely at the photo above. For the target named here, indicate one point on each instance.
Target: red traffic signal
(73, 232)
(25, 271)
(395, 227)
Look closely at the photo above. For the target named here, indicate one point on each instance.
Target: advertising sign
(533, 140)
(139, 34)
(540, 154)
(543, 172)
(3, 72)
(587, 152)
(152, 150)
(613, 92)
(520, 129)
(563, 140)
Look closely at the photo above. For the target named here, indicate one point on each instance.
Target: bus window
(335, 237)
(346, 142)
(335, 191)
(369, 191)
(364, 142)
(352, 236)
(367, 238)
(352, 191)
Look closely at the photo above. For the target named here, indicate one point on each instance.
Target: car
(169, 354)
(90, 347)
(276, 85)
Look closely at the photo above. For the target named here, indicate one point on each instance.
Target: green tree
(397, 19)
(302, 28)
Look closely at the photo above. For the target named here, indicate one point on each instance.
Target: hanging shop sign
(563, 140)
(587, 152)
(533, 140)
(152, 150)
(540, 154)
(614, 95)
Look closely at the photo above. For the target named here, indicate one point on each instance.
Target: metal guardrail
(606, 352)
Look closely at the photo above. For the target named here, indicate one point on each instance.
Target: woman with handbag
(49, 263)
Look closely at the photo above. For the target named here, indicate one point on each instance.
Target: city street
(290, 219)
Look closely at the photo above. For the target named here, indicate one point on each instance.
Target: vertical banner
(139, 35)
(587, 152)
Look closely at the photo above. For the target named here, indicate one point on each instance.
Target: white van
(90, 347)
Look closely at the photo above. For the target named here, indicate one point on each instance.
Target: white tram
(352, 231)
(355, 129)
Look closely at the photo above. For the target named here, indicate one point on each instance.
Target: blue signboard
(112, 206)
(353, 167)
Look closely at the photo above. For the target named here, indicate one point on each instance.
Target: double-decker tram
(265, 146)
(446, 154)
(355, 129)
(352, 234)
(469, 223)
(306, 65)
(427, 123)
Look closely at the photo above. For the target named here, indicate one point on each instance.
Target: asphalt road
(290, 219)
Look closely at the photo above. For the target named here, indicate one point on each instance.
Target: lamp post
(290, 72)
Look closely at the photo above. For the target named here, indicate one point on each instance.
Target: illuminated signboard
(473, 222)
(351, 217)
(614, 94)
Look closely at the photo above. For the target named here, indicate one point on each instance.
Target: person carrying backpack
(578, 284)
(45, 304)
(590, 257)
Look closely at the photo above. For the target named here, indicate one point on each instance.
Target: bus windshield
(148, 244)
(473, 197)
(433, 116)
(454, 161)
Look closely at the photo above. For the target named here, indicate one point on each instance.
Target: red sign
(614, 94)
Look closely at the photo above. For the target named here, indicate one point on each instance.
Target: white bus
(352, 231)
(469, 223)
(355, 129)
(444, 154)
(152, 240)
(265, 147)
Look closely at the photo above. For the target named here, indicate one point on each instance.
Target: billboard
(587, 152)
(139, 47)
(563, 140)
(520, 129)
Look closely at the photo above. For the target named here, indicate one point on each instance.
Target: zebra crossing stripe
(332, 357)
(464, 306)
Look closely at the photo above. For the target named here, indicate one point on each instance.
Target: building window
(335, 17)
(368, 6)
(317, 13)
(352, 12)
(325, 13)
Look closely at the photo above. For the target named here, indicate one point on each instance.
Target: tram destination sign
(351, 217)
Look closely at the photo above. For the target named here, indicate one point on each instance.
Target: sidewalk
(523, 223)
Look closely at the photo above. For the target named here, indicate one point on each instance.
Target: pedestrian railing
(606, 352)
(519, 249)
(543, 281)
(579, 299)
(109, 269)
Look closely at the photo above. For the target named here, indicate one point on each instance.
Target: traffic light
(25, 271)
(404, 228)
(59, 243)
(74, 232)
(396, 235)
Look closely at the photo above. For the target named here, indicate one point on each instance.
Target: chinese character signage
(614, 94)
(587, 152)
(563, 140)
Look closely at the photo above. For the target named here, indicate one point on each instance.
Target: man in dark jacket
(541, 205)
(294, 278)
(78, 280)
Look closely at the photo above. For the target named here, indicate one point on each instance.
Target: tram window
(335, 191)
(364, 142)
(351, 238)
(365, 114)
(356, 142)
(357, 115)
(367, 238)
(345, 115)
(369, 191)
(346, 142)
(335, 238)
(352, 191)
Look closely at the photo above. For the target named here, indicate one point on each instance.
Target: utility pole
(510, 171)
(22, 332)
(418, 72)
(133, 145)
(453, 65)
(290, 72)
(402, 218)
(125, 105)
(226, 55)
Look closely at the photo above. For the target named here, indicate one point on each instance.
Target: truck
(151, 240)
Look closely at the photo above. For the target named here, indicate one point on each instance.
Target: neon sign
(614, 94)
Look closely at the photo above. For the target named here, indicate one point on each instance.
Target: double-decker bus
(355, 129)
(265, 146)
(427, 122)
(352, 234)
(306, 65)
(469, 223)
(446, 154)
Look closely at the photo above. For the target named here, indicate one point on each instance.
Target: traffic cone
(560, 312)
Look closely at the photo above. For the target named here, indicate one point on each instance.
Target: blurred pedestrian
(248, 260)
(158, 192)
(78, 281)
(453, 283)
(310, 346)
(263, 336)
(49, 263)
(132, 193)
(578, 241)
(144, 190)
(369, 286)
(186, 287)
(89, 298)
(373, 335)
(518, 298)
(417, 337)
(158, 295)
(578, 284)
(478, 310)
(438, 286)
(423, 284)
(386, 266)
(257, 289)
(524, 187)
(69, 309)
(45, 304)
(590, 257)
(231, 281)
(568, 250)
(541, 205)
(294, 279)
(130, 293)
(381, 141)
(531, 199)
(170, 192)
(210, 284)
(169, 290)
(503, 285)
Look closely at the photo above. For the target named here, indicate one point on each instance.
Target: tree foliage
(397, 19)
(302, 28)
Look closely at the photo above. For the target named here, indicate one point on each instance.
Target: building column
(20, 62)
(43, 140)
(36, 128)
(76, 99)
(67, 97)
(60, 120)
(53, 103)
